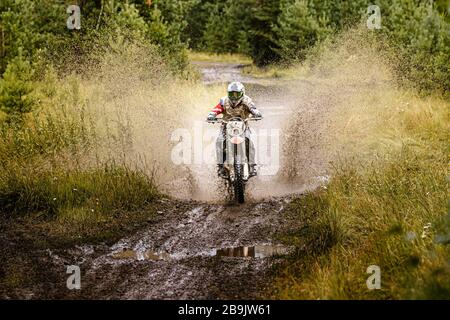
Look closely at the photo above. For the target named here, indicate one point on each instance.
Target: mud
(188, 264)
(193, 251)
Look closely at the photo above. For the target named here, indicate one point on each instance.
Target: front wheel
(239, 184)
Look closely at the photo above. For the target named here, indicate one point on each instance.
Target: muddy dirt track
(194, 251)
(190, 249)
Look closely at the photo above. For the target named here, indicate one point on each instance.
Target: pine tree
(297, 29)
(16, 87)
(262, 38)
(214, 36)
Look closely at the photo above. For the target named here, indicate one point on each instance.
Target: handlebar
(234, 119)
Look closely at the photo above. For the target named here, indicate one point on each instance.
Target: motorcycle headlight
(237, 140)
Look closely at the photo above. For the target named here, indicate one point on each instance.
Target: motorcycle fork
(239, 157)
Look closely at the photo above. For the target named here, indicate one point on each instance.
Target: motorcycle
(236, 165)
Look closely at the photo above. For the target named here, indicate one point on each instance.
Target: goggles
(235, 95)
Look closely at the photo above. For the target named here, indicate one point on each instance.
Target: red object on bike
(218, 109)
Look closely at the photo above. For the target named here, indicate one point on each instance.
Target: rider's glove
(211, 116)
(256, 113)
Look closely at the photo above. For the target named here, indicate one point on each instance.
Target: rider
(236, 104)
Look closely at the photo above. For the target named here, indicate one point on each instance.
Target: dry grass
(214, 57)
(276, 72)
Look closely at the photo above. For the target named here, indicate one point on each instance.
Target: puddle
(221, 72)
(262, 251)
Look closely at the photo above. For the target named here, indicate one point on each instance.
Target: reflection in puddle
(261, 251)
(254, 252)
(151, 255)
(125, 254)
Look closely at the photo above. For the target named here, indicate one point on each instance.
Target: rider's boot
(221, 171)
(253, 172)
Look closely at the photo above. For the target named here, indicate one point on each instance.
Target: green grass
(388, 210)
(71, 193)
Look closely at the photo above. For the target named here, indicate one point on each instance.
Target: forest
(34, 35)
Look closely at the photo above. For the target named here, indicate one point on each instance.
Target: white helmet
(236, 92)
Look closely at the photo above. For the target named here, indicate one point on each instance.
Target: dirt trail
(208, 251)
(194, 249)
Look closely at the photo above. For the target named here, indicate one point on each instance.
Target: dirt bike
(236, 164)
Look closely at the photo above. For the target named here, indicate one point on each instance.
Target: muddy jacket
(243, 109)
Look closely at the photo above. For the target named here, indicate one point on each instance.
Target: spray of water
(143, 113)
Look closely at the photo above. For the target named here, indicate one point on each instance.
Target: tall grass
(46, 165)
(105, 189)
(385, 205)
